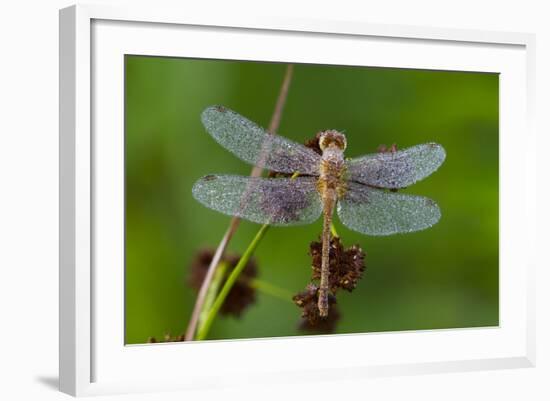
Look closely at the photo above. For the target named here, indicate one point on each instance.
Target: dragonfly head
(332, 138)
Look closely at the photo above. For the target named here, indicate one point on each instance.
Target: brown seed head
(311, 320)
(387, 149)
(346, 265)
(241, 295)
(313, 143)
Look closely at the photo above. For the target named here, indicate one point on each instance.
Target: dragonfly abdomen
(330, 184)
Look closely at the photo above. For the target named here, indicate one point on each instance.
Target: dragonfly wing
(254, 145)
(277, 201)
(377, 212)
(397, 169)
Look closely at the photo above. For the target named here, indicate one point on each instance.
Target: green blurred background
(444, 277)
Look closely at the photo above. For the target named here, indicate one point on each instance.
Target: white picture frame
(93, 360)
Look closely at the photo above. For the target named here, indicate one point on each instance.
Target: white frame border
(75, 173)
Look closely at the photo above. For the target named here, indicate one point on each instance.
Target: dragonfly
(361, 190)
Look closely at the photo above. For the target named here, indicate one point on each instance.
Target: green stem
(231, 280)
(333, 230)
(270, 289)
(213, 290)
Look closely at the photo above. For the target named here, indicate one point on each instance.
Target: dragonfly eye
(332, 137)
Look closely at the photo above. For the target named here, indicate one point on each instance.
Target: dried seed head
(346, 266)
(167, 339)
(313, 144)
(387, 149)
(311, 320)
(241, 295)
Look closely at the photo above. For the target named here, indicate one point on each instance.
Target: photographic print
(268, 200)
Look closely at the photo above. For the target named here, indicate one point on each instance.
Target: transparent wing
(255, 146)
(278, 201)
(397, 169)
(377, 212)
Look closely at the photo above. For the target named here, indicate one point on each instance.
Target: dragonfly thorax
(332, 168)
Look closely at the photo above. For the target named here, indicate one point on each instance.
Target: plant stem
(234, 224)
(213, 290)
(333, 230)
(212, 313)
(270, 289)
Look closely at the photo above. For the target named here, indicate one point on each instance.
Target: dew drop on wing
(377, 212)
(278, 201)
(284, 206)
(397, 169)
(252, 144)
